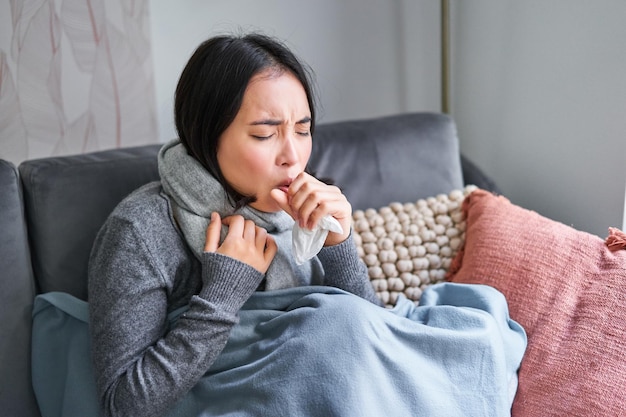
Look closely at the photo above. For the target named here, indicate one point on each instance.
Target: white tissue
(307, 243)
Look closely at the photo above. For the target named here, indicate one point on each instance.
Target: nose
(288, 154)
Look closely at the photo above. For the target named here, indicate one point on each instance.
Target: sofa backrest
(395, 158)
(16, 299)
(67, 199)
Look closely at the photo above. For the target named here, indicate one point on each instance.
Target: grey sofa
(52, 209)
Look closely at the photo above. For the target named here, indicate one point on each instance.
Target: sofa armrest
(17, 291)
(473, 175)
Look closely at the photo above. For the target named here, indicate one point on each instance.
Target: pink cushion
(568, 291)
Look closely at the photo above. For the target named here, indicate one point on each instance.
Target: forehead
(275, 87)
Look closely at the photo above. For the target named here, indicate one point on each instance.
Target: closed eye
(305, 125)
(259, 137)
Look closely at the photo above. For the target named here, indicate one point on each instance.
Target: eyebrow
(274, 122)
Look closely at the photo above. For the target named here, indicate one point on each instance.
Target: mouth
(284, 186)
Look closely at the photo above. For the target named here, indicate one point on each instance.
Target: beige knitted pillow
(408, 247)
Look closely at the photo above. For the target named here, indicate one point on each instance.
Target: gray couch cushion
(395, 158)
(67, 200)
(16, 299)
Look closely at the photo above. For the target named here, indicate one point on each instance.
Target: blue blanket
(319, 351)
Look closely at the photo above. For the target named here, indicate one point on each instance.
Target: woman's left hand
(308, 200)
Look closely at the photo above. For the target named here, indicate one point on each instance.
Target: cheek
(237, 166)
(255, 164)
(305, 151)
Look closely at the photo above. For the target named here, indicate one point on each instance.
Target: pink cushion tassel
(616, 239)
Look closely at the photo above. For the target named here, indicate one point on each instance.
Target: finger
(314, 202)
(315, 214)
(249, 230)
(270, 249)
(282, 199)
(235, 224)
(304, 195)
(213, 233)
(317, 204)
(260, 238)
(301, 186)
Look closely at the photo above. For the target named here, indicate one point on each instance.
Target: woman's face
(269, 142)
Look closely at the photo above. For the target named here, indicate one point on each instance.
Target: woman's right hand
(245, 241)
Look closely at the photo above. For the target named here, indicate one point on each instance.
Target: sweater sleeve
(141, 368)
(344, 269)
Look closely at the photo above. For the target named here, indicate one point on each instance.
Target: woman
(245, 114)
(197, 306)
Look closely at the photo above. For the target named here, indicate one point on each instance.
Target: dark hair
(211, 89)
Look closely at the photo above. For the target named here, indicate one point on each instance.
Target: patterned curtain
(75, 76)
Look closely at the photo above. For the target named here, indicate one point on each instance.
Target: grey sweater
(140, 270)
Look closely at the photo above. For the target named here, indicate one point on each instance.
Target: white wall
(370, 57)
(538, 90)
(539, 96)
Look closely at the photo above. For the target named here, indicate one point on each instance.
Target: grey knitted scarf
(194, 194)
